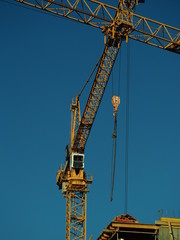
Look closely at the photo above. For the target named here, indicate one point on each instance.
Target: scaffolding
(126, 227)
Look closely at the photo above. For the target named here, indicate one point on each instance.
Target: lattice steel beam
(101, 15)
(155, 33)
(77, 186)
(91, 12)
(100, 82)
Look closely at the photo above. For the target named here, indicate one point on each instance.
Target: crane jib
(117, 23)
(97, 91)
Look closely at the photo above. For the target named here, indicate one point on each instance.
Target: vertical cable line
(114, 136)
(119, 72)
(127, 129)
(112, 159)
(112, 83)
(113, 165)
(111, 186)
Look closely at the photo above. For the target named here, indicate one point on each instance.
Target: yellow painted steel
(172, 220)
(75, 118)
(100, 82)
(75, 185)
(76, 204)
(126, 24)
(118, 23)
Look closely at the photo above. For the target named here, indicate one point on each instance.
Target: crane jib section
(101, 15)
(100, 82)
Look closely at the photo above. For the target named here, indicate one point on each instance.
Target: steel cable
(114, 136)
(127, 129)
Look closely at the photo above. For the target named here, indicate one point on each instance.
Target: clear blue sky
(44, 62)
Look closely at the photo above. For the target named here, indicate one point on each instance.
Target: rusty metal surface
(127, 227)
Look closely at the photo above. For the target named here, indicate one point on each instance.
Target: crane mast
(72, 179)
(118, 23)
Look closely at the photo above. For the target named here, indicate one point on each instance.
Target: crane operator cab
(77, 161)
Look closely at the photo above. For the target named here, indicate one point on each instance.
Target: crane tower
(118, 24)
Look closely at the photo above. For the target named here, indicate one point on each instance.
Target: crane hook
(115, 103)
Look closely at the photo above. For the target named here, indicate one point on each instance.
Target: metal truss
(101, 15)
(100, 82)
(155, 33)
(117, 23)
(76, 205)
(75, 118)
(76, 214)
(90, 12)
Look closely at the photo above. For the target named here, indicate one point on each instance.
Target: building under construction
(125, 227)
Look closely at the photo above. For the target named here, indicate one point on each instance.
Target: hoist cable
(127, 129)
(112, 163)
(113, 158)
(114, 136)
(89, 76)
(114, 166)
(119, 72)
(117, 82)
(112, 84)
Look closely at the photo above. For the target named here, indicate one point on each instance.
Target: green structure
(169, 229)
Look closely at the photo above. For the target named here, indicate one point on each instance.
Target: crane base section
(75, 185)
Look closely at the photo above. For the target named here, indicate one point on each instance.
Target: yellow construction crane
(117, 23)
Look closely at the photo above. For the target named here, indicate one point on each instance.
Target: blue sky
(44, 62)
